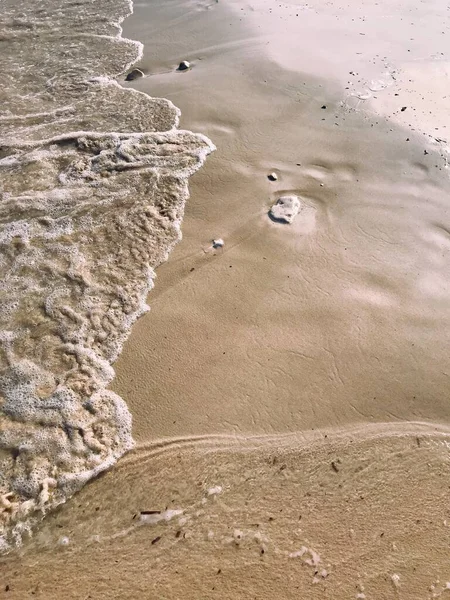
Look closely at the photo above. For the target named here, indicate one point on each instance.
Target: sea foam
(93, 182)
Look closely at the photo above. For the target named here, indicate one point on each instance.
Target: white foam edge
(140, 53)
(32, 144)
(81, 478)
(76, 481)
(48, 113)
(140, 45)
(106, 80)
(185, 173)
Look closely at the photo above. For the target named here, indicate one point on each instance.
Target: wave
(93, 187)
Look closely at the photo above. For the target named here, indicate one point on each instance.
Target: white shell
(64, 541)
(285, 209)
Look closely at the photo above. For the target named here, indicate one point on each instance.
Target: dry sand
(290, 390)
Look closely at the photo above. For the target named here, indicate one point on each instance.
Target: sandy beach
(289, 390)
(323, 323)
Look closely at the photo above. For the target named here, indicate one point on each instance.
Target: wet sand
(333, 320)
(321, 515)
(289, 391)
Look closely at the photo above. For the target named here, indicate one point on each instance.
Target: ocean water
(93, 183)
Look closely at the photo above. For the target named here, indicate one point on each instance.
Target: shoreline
(263, 523)
(288, 389)
(66, 197)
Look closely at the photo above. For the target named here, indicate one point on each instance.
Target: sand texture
(289, 387)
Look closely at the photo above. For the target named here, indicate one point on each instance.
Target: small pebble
(272, 176)
(134, 74)
(237, 535)
(63, 541)
(184, 65)
(219, 243)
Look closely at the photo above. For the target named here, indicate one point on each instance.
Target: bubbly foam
(93, 182)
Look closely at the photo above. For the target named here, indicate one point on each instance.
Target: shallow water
(323, 514)
(93, 184)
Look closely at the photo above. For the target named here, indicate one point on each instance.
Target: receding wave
(93, 185)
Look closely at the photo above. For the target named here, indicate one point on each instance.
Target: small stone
(324, 107)
(285, 209)
(219, 243)
(238, 536)
(272, 176)
(134, 74)
(184, 65)
(404, 108)
(64, 541)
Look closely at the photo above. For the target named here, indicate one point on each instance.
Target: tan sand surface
(290, 390)
(320, 515)
(340, 317)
